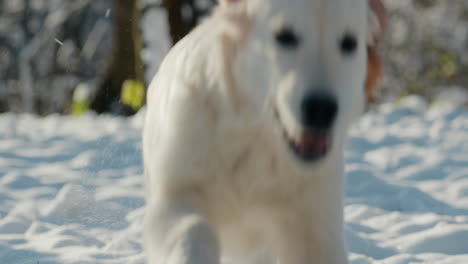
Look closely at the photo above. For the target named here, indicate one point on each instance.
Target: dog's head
(313, 61)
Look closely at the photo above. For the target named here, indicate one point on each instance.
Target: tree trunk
(125, 62)
(180, 25)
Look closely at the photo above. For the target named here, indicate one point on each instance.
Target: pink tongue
(315, 143)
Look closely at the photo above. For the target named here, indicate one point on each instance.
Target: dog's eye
(348, 44)
(287, 38)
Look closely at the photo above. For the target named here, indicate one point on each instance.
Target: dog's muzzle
(317, 116)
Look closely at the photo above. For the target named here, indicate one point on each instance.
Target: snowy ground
(71, 189)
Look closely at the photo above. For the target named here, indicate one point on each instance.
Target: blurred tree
(184, 15)
(125, 63)
(179, 26)
(47, 49)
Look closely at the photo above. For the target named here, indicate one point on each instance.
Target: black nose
(318, 111)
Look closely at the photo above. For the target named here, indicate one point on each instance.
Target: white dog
(244, 133)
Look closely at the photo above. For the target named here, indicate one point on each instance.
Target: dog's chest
(251, 172)
(249, 162)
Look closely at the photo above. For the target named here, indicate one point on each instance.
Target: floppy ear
(236, 25)
(230, 3)
(234, 18)
(377, 22)
(226, 2)
(376, 27)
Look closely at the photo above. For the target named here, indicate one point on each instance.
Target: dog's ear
(239, 7)
(376, 27)
(233, 5)
(236, 24)
(235, 18)
(234, 8)
(227, 2)
(377, 22)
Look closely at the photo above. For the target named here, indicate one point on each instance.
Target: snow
(71, 188)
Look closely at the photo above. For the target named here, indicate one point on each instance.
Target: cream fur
(220, 180)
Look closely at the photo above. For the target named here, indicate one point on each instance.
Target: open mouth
(311, 145)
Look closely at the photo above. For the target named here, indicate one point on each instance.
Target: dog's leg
(313, 230)
(307, 248)
(176, 233)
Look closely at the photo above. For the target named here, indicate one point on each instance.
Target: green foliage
(445, 66)
(79, 107)
(133, 93)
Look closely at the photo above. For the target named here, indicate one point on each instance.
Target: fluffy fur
(220, 180)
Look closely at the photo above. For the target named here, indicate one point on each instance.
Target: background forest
(63, 56)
